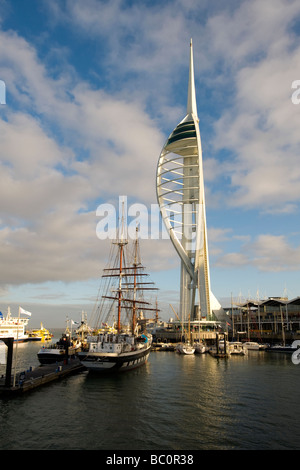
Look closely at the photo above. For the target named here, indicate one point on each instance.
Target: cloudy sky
(93, 89)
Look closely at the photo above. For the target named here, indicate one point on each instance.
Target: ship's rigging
(122, 288)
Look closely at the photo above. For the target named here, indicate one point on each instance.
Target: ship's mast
(120, 288)
(121, 243)
(128, 281)
(134, 282)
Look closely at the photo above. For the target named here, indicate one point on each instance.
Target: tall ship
(14, 327)
(118, 342)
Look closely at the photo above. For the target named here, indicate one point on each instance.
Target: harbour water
(173, 403)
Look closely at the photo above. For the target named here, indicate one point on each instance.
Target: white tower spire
(180, 193)
(191, 103)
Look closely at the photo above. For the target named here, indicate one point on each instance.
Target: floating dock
(41, 375)
(33, 378)
(218, 354)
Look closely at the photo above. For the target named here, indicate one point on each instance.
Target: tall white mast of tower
(180, 193)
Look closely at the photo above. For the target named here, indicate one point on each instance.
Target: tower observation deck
(180, 194)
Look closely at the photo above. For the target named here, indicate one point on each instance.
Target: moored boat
(237, 348)
(290, 349)
(185, 348)
(230, 348)
(64, 348)
(252, 345)
(115, 352)
(119, 345)
(39, 334)
(200, 348)
(83, 330)
(14, 327)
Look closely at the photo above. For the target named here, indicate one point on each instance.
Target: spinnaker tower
(181, 198)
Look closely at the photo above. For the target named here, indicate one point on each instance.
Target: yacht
(185, 348)
(200, 348)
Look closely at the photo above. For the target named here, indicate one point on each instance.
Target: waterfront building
(180, 194)
(273, 319)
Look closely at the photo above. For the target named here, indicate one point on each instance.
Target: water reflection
(173, 402)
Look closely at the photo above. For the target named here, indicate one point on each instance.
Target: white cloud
(45, 183)
(251, 45)
(68, 144)
(274, 253)
(261, 126)
(268, 253)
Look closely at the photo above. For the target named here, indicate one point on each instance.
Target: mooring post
(10, 345)
(67, 351)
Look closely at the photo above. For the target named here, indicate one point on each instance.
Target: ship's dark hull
(50, 358)
(100, 362)
(281, 349)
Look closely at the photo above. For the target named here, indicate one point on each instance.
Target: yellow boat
(41, 334)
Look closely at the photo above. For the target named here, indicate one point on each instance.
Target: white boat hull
(252, 346)
(13, 327)
(233, 348)
(185, 349)
(200, 349)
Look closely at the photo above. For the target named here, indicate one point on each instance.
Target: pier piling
(10, 344)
